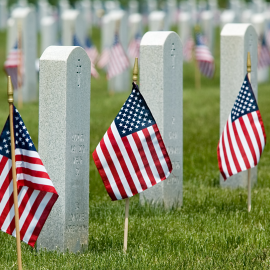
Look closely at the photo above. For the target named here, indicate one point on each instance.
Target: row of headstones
(64, 122)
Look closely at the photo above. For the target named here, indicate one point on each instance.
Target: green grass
(211, 231)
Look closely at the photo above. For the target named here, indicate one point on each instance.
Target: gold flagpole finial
(248, 63)
(10, 90)
(135, 71)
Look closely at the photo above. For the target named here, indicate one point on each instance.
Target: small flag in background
(12, 64)
(243, 138)
(91, 50)
(204, 57)
(94, 72)
(134, 47)
(104, 58)
(263, 54)
(118, 60)
(36, 193)
(187, 50)
(131, 156)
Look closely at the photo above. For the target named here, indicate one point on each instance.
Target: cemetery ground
(212, 230)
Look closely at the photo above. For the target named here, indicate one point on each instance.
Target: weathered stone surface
(161, 84)
(64, 137)
(236, 41)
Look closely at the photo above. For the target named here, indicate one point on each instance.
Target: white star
(136, 110)
(8, 132)
(247, 98)
(245, 92)
(129, 100)
(242, 111)
(131, 112)
(138, 93)
(140, 100)
(122, 119)
(4, 140)
(23, 143)
(146, 114)
(127, 122)
(120, 124)
(238, 114)
(16, 110)
(20, 122)
(133, 91)
(127, 105)
(130, 129)
(122, 108)
(245, 103)
(138, 122)
(251, 100)
(134, 102)
(16, 126)
(248, 109)
(253, 107)
(245, 82)
(149, 121)
(7, 151)
(135, 114)
(131, 95)
(30, 144)
(123, 131)
(129, 117)
(1, 148)
(141, 112)
(246, 88)
(143, 107)
(233, 117)
(132, 108)
(126, 110)
(138, 105)
(117, 117)
(125, 126)
(5, 145)
(244, 107)
(249, 104)
(20, 139)
(133, 119)
(136, 126)
(143, 124)
(27, 132)
(27, 139)
(120, 112)
(132, 124)
(124, 115)
(23, 135)
(249, 94)
(16, 142)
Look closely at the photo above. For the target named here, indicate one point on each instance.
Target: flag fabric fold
(263, 54)
(187, 49)
(91, 50)
(118, 60)
(13, 66)
(134, 47)
(131, 157)
(204, 57)
(243, 139)
(36, 193)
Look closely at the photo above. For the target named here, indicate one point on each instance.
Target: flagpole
(135, 79)
(19, 71)
(14, 174)
(249, 170)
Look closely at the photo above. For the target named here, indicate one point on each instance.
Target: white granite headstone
(73, 24)
(207, 23)
(157, 21)
(135, 25)
(48, 32)
(236, 41)
(133, 7)
(185, 26)
(64, 139)
(3, 14)
(227, 16)
(24, 18)
(161, 84)
(258, 21)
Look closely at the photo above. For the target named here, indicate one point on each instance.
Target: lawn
(213, 229)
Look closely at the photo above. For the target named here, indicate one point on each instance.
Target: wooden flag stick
(19, 70)
(249, 170)
(14, 174)
(135, 79)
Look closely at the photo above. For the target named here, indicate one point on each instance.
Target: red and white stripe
(205, 60)
(263, 57)
(92, 53)
(104, 58)
(11, 66)
(36, 195)
(241, 144)
(118, 61)
(133, 163)
(94, 72)
(187, 50)
(134, 48)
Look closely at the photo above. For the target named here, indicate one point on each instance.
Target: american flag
(36, 193)
(13, 64)
(94, 72)
(91, 51)
(118, 60)
(187, 49)
(104, 58)
(263, 54)
(204, 57)
(243, 138)
(134, 47)
(131, 156)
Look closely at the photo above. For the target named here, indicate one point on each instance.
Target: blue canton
(21, 136)
(134, 115)
(245, 102)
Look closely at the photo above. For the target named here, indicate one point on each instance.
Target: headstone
(161, 84)
(246, 16)
(258, 21)
(86, 12)
(25, 20)
(185, 26)
(97, 9)
(111, 6)
(207, 22)
(235, 6)
(151, 6)
(107, 33)
(135, 25)
(122, 81)
(213, 6)
(48, 32)
(3, 14)
(157, 21)
(227, 16)
(63, 5)
(171, 8)
(73, 24)
(133, 7)
(235, 42)
(64, 136)
(11, 35)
